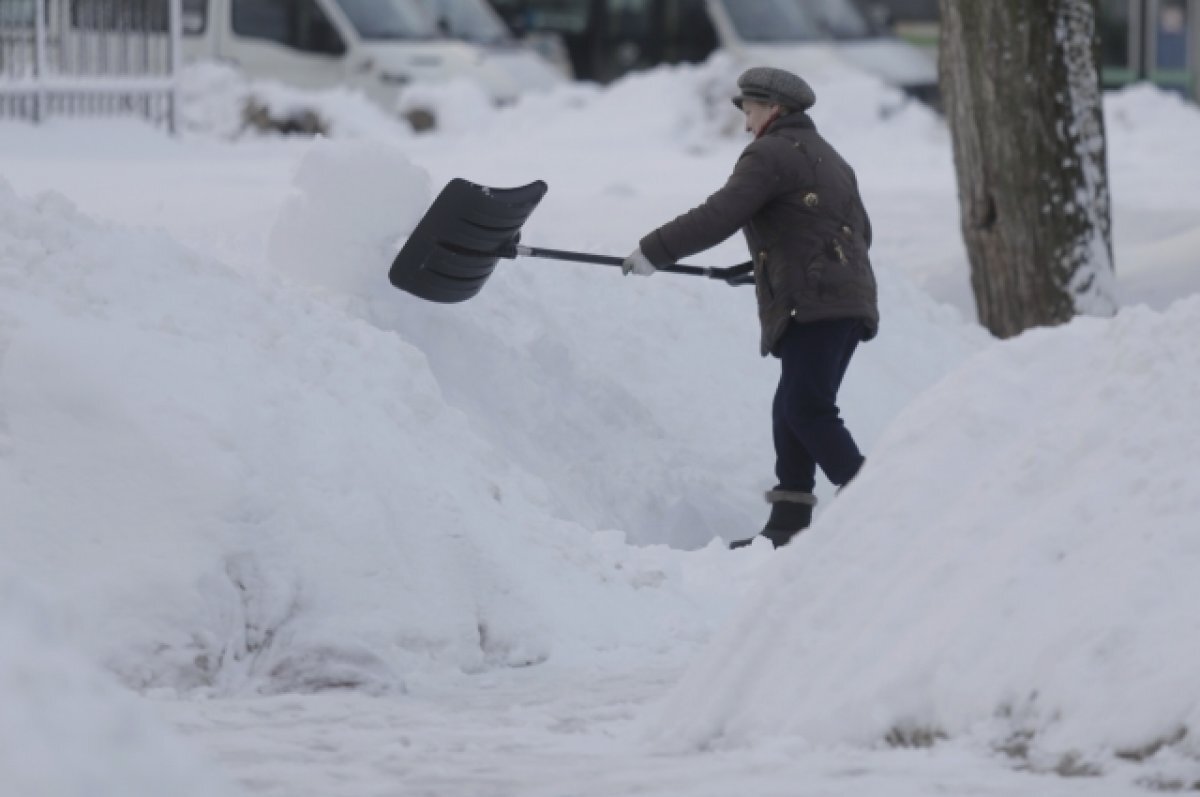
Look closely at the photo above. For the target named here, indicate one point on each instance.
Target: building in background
(1154, 40)
(1141, 40)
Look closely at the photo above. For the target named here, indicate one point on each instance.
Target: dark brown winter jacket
(797, 202)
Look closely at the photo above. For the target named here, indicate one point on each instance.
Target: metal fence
(89, 57)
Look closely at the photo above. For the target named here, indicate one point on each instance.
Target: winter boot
(791, 512)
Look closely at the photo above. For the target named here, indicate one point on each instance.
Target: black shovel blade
(458, 241)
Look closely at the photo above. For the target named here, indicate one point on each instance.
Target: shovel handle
(734, 275)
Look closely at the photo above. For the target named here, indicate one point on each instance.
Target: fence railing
(89, 57)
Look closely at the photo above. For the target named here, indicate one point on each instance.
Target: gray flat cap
(768, 84)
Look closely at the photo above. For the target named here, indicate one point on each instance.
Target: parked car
(476, 21)
(378, 46)
(913, 20)
(801, 35)
(608, 38)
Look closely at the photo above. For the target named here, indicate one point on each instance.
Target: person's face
(758, 115)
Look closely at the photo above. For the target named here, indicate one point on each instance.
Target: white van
(477, 22)
(378, 46)
(802, 35)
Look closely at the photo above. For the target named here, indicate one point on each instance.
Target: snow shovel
(469, 227)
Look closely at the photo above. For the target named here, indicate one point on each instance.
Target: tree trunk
(1021, 85)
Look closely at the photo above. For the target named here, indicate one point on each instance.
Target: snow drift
(241, 485)
(218, 101)
(66, 729)
(234, 488)
(1016, 563)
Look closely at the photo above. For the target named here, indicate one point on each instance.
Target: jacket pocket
(816, 274)
(762, 282)
(841, 267)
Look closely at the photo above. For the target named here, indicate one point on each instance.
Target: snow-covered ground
(346, 542)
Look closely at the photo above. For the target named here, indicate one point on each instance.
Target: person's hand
(637, 263)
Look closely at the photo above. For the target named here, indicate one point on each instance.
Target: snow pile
(347, 209)
(66, 730)
(687, 105)
(450, 108)
(235, 488)
(217, 100)
(1142, 122)
(684, 105)
(1017, 563)
(1156, 227)
(237, 485)
(689, 102)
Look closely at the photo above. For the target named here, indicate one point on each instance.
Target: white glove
(637, 263)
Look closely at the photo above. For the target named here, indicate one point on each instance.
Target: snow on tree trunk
(1022, 93)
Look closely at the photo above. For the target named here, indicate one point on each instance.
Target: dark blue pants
(807, 424)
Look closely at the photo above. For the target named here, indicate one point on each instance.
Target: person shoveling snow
(797, 202)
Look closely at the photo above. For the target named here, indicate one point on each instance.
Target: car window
(789, 20)
(564, 16)
(195, 17)
(473, 20)
(19, 14)
(300, 24)
(389, 19)
(106, 15)
(1114, 33)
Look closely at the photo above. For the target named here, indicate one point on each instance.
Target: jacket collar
(796, 119)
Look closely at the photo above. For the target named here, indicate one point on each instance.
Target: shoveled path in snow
(541, 732)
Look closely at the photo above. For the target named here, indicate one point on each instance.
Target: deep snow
(1028, 576)
(236, 462)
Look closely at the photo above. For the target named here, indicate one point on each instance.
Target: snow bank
(454, 107)
(1152, 137)
(688, 101)
(683, 105)
(215, 100)
(66, 730)
(1143, 121)
(1017, 563)
(240, 485)
(234, 488)
(686, 105)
